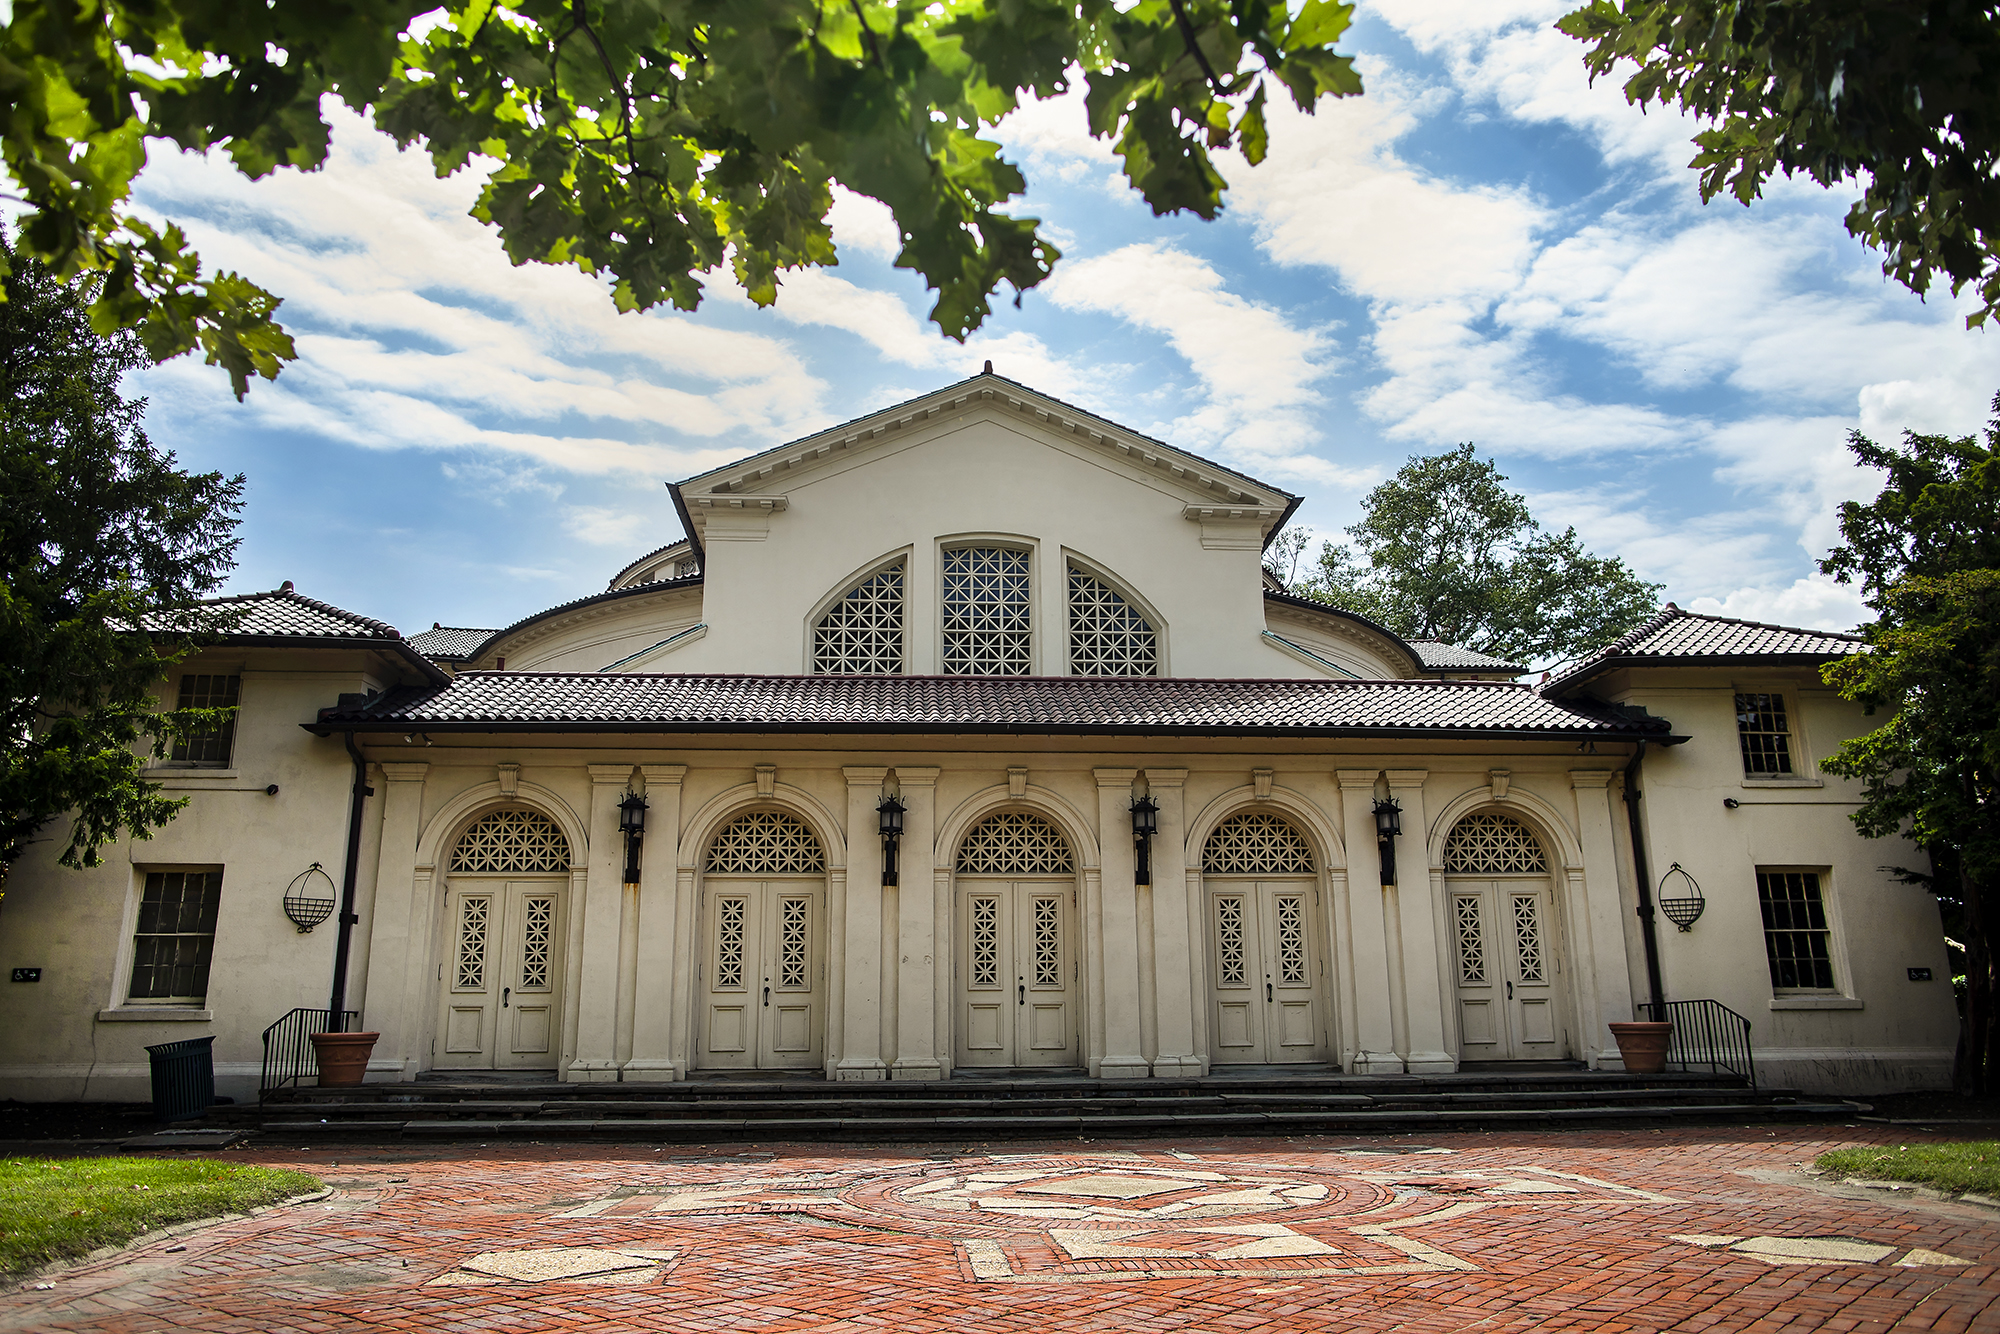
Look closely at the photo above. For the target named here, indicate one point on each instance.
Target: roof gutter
(1283, 519)
(961, 728)
(343, 941)
(687, 525)
(1648, 932)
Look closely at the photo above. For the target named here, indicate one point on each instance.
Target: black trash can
(183, 1078)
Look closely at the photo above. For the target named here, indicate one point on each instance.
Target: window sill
(155, 1014)
(1818, 1003)
(1783, 782)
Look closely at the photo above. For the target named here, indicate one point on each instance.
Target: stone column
(860, 1009)
(1116, 949)
(660, 968)
(401, 995)
(1423, 952)
(597, 949)
(917, 942)
(1374, 1025)
(1597, 954)
(1177, 959)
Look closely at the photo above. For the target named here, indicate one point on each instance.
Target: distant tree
(1287, 549)
(1899, 96)
(1445, 551)
(105, 547)
(1926, 553)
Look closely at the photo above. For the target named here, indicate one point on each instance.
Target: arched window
(1107, 635)
(511, 842)
(1256, 843)
(986, 612)
(1015, 843)
(862, 633)
(766, 843)
(1489, 843)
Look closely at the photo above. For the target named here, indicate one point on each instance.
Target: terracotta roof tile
(1685, 636)
(284, 614)
(1440, 656)
(449, 642)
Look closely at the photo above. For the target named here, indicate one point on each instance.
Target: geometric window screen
(1488, 843)
(512, 843)
(862, 633)
(986, 612)
(1256, 844)
(766, 843)
(1013, 843)
(1107, 635)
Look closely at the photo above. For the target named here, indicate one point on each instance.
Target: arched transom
(511, 842)
(766, 843)
(1257, 843)
(1015, 843)
(1489, 843)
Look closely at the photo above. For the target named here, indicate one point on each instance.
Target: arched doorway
(1018, 971)
(1507, 941)
(763, 979)
(1267, 978)
(507, 880)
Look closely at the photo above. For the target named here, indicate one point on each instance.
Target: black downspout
(344, 938)
(1646, 931)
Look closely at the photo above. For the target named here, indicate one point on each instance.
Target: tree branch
(868, 34)
(1194, 48)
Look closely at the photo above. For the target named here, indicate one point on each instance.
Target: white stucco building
(1017, 619)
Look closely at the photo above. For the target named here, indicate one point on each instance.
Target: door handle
(767, 996)
(1268, 997)
(1024, 993)
(1510, 991)
(505, 992)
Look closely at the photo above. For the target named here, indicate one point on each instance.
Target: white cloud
(606, 527)
(1813, 603)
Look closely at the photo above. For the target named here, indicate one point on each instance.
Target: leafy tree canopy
(1446, 551)
(100, 535)
(1899, 95)
(651, 140)
(1926, 553)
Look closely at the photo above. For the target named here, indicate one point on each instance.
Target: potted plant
(1643, 1046)
(343, 1058)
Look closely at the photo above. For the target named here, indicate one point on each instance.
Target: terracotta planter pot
(343, 1058)
(1644, 1046)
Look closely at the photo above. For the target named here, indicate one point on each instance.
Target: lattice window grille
(537, 940)
(1048, 942)
(1528, 937)
(687, 568)
(1229, 940)
(1256, 843)
(1471, 939)
(1489, 843)
(1291, 939)
(729, 923)
(793, 915)
(1013, 843)
(473, 911)
(512, 842)
(987, 617)
(766, 843)
(985, 941)
(862, 634)
(1107, 635)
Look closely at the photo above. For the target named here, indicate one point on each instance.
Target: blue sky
(1482, 248)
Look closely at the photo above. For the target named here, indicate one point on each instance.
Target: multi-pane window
(1765, 735)
(208, 692)
(175, 936)
(986, 612)
(1107, 635)
(862, 633)
(1796, 935)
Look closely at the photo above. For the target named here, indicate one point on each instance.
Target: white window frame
(907, 555)
(1840, 996)
(123, 1002)
(1040, 601)
(1805, 768)
(1098, 571)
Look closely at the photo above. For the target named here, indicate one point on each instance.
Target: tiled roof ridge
(641, 560)
(467, 629)
(1765, 625)
(382, 629)
(656, 586)
(1625, 645)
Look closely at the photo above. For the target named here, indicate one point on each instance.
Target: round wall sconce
(1680, 899)
(304, 902)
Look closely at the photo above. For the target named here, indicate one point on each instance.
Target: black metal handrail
(1707, 1033)
(288, 1049)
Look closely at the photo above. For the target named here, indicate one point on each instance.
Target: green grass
(1956, 1167)
(63, 1208)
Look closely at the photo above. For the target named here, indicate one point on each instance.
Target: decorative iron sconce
(304, 904)
(1388, 824)
(890, 817)
(632, 824)
(1683, 906)
(1145, 823)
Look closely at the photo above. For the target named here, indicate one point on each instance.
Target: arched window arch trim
(1329, 853)
(443, 830)
(511, 839)
(1014, 842)
(764, 841)
(718, 811)
(1559, 840)
(1258, 842)
(1076, 827)
(1102, 574)
(843, 587)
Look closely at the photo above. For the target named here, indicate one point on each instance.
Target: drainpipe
(344, 938)
(1646, 930)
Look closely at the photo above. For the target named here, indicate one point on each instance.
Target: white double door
(1266, 975)
(763, 979)
(1017, 973)
(502, 975)
(1508, 945)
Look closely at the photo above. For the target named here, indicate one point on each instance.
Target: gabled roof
(449, 643)
(1677, 636)
(600, 702)
(288, 619)
(1439, 656)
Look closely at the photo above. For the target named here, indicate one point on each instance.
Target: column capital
(1115, 777)
(920, 775)
(1166, 777)
(1407, 777)
(666, 775)
(1589, 778)
(864, 775)
(405, 771)
(605, 774)
(1353, 778)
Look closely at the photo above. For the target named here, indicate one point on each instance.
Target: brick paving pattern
(1690, 1229)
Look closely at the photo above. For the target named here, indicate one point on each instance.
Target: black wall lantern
(1388, 824)
(632, 824)
(305, 903)
(1680, 899)
(1145, 823)
(890, 815)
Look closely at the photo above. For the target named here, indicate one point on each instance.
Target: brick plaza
(1685, 1229)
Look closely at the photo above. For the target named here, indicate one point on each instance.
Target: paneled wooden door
(764, 975)
(1508, 946)
(1017, 972)
(502, 975)
(1266, 977)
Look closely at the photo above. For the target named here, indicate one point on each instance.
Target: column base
(1179, 1067)
(916, 1070)
(1430, 1063)
(1378, 1063)
(591, 1072)
(649, 1070)
(860, 1071)
(1123, 1067)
